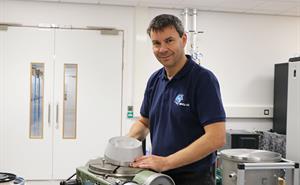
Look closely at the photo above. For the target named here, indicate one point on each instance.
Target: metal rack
(291, 170)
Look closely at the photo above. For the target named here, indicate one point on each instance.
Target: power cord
(6, 177)
(70, 181)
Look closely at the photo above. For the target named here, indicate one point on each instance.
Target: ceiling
(272, 7)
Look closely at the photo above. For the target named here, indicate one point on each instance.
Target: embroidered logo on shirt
(178, 101)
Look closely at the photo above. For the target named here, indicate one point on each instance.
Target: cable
(6, 177)
(71, 176)
(69, 181)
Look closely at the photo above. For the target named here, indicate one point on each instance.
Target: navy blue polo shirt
(178, 109)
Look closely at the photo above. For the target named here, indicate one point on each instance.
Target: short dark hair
(162, 21)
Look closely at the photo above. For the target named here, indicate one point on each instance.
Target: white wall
(1, 91)
(78, 15)
(241, 49)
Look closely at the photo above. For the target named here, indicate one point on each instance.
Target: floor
(42, 183)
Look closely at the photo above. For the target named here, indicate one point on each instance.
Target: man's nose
(163, 48)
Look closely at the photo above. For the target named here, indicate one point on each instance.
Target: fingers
(140, 165)
(149, 162)
(141, 162)
(140, 158)
(144, 165)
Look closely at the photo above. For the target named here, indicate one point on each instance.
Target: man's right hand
(139, 129)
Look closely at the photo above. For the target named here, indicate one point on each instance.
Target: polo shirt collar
(182, 72)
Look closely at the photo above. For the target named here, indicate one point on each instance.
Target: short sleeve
(144, 111)
(146, 104)
(208, 100)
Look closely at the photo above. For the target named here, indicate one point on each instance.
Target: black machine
(241, 139)
(285, 78)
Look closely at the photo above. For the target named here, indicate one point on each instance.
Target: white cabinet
(287, 106)
(293, 112)
(98, 114)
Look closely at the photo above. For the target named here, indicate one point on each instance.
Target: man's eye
(169, 41)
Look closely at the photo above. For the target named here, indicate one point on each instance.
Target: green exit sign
(129, 111)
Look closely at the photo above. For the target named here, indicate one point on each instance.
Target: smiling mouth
(164, 57)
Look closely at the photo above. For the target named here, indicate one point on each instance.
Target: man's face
(167, 46)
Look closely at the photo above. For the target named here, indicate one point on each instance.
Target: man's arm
(214, 138)
(139, 129)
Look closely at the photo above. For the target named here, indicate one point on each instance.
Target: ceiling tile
(292, 1)
(293, 11)
(200, 3)
(239, 4)
(80, 1)
(278, 7)
(159, 3)
(275, 6)
(119, 2)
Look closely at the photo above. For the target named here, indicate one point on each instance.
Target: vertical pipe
(186, 19)
(194, 40)
(186, 28)
(194, 20)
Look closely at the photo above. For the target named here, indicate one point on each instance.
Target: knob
(232, 176)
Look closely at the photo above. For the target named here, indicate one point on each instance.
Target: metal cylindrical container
(147, 177)
(232, 157)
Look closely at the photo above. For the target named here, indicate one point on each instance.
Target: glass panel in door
(70, 101)
(36, 100)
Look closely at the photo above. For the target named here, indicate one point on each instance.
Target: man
(182, 109)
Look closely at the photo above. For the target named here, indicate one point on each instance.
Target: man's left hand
(153, 162)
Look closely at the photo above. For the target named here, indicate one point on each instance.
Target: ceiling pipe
(186, 19)
(190, 27)
(194, 14)
(190, 20)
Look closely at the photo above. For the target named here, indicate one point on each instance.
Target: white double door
(99, 82)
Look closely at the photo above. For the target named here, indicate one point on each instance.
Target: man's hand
(213, 139)
(139, 129)
(153, 162)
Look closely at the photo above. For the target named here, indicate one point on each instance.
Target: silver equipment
(10, 179)
(256, 167)
(123, 150)
(114, 169)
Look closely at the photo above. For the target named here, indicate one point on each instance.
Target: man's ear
(184, 39)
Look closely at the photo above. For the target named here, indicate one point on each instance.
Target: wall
(243, 53)
(241, 49)
(78, 15)
(1, 91)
